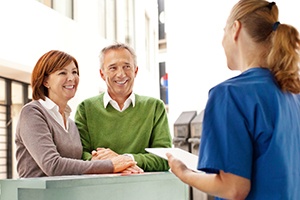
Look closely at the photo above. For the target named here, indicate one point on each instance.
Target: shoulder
(140, 99)
(32, 107)
(36, 112)
(146, 98)
(149, 103)
(89, 105)
(93, 99)
(254, 80)
(246, 90)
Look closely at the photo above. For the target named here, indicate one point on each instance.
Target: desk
(147, 186)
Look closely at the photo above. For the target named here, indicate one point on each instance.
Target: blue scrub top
(252, 129)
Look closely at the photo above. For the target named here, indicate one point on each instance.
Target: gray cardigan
(44, 148)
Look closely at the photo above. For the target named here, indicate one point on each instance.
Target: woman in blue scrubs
(250, 145)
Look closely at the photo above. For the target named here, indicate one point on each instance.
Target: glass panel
(46, 2)
(147, 42)
(17, 104)
(111, 19)
(2, 120)
(17, 93)
(102, 11)
(64, 7)
(2, 162)
(2, 123)
(3, 140)
(3, 137)
(2, 91)
(29, 93)
(2, 146)
(130, 23)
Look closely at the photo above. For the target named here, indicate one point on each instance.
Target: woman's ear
(236, 28)
(45, 83)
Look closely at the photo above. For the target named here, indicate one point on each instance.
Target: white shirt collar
(53, 110)
(107, 99)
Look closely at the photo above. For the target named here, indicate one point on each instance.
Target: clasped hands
(121, 163)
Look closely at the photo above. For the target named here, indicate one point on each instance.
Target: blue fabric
(252, 129)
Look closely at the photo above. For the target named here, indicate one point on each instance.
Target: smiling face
(62, 84)
(118, 71)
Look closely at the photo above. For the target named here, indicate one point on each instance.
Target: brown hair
(114, 47)
(280, 42)
(49, 63)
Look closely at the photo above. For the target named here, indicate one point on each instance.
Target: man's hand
(103, 154)
(108, 154)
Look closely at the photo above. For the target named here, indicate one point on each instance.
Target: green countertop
(147, 186)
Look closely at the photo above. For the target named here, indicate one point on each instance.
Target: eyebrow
(114, 64)
(64, 68)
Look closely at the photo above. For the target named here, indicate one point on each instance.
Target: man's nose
(120, 72)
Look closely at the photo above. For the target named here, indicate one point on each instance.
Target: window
(13, 95)
(129, 23)
(46, 2)
(147, 42)
(3, 131)
(110, 20)
(64, 7)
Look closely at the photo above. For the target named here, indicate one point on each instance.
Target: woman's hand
(122, 162)
(106, 153)
(133, 170)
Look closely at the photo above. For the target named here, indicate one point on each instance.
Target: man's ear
(236, 28)
(136, 70)
(102, 74)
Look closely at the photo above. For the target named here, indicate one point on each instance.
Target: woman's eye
(62, 73)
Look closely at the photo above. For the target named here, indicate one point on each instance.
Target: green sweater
(143, 126)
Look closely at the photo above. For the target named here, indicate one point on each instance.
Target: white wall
(195, 60)
(151, 86)
(29, 29)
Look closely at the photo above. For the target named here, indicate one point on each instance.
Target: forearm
(223, 185)
(149, 162)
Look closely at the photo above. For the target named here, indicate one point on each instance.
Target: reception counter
(147, 186)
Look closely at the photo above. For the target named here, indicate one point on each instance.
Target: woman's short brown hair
(49, 63)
